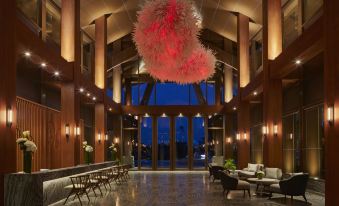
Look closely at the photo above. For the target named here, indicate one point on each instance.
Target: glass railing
(256, 54)
(298, 16)
(87, 55)
(43, 18)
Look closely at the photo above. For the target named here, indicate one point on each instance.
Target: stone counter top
(45, 187)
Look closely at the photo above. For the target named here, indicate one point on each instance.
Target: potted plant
(88, 149)
(230, 165)
(260, 174)
(28, 147)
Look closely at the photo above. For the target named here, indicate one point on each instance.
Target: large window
(130, 139)
(146, 142)
(181, 142)
(215, 136)
(313, 146)
(163, 142)
(199, 156)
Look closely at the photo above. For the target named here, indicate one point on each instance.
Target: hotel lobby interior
(169, 102)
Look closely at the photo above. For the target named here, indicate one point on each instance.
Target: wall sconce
(217, 142)
(9, 117)
(77, 131)
(238, 136)
(106, 137)
(275, 130)
(291, 136)
(99, 137)
(116, 140)
(330, 114)
(128, 143)
(67, 130)
(264, 130)
(245, 136)
(228, 140)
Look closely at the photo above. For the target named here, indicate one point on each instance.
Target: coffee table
(262, 184)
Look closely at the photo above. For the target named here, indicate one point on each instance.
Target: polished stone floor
(147, 188)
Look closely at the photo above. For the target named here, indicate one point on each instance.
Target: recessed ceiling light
(163, 115)
(198, 115)
(27, 54)
(56, 73)
(146, 115)
(81, 90)
(43, 64)
(180, 115)
(88, 94)
(298, 61)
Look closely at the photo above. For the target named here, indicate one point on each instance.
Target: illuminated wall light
(128, 143)
(180, 115)
(78, 131)
(43, 64)
(164, 115)
(110, 109)
(330, 115)
(146, 115)
(275, 130)
(255, 93)
(215, 114)
(88, 94)
(234, 108)
(229, 140)
(209, 116)
(99, 137)
(67, 130)
(238, 136)
(136, 117)
(245, 136)
(94, 98)
(9, 117)
(198, 115)
(81, 90)
(217, 142)
(291, 136)
(116, 140)
(298, 61)
(27, 54)
(129, 114)
(106, 137)
(264, 130)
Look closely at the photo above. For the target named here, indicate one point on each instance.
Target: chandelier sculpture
(166, 36)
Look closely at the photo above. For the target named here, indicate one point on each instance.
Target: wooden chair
(79, 187)
(95, 181)
(106, 177)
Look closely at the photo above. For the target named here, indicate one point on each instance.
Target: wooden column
(116, 84)
(228, 84)
(228, 134)
(272, 88)
(331, 98)
(7, 91)
(71, 151)
(244, 78)
(100, 128)
(100, 81)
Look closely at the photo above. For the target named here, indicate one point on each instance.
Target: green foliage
(230, 165)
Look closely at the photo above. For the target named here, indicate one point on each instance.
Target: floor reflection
(147, 188)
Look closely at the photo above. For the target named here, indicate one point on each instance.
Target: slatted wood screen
(44, 124)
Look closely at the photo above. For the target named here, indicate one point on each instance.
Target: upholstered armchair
(294, 186)
(230, 183)
(214, 171)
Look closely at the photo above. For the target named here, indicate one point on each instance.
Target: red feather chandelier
(166, 36)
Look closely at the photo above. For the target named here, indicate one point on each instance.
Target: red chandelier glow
(166, 36)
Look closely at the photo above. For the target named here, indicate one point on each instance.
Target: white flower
(21, 140)
(89, 148)
(26, 134)
(115, 149)
(30, 146)
(84, 142)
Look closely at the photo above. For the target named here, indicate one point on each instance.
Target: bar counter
(45, 187)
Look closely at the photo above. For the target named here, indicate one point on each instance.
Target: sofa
(293, 186)
(250, 171)
(231, 183)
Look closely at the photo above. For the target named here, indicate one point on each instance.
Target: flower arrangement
(27, 146)
(114, 150)
(87, 150)
(260, 174)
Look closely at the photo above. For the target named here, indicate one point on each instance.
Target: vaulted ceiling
(217, 15)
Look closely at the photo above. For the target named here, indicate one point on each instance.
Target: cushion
(275, 188)
(246, 173)
(274, 173)
(252, 167)
(243, 185)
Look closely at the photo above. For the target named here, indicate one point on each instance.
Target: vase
(113, 156)
(87, 158)
(27, 164)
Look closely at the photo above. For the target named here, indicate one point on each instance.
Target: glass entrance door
(181, 142)
(163, 143)
(146, 142)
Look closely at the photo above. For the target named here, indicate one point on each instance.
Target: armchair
(230, 183)
(213, 169)
(294, 186)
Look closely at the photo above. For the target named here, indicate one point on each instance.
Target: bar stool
(79, 187)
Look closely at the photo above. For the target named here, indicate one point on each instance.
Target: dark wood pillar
(71, 151)
(244, 79)
(228, 119)
(331, 99)
(272, 88)
(7, 91)
(100, 81)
